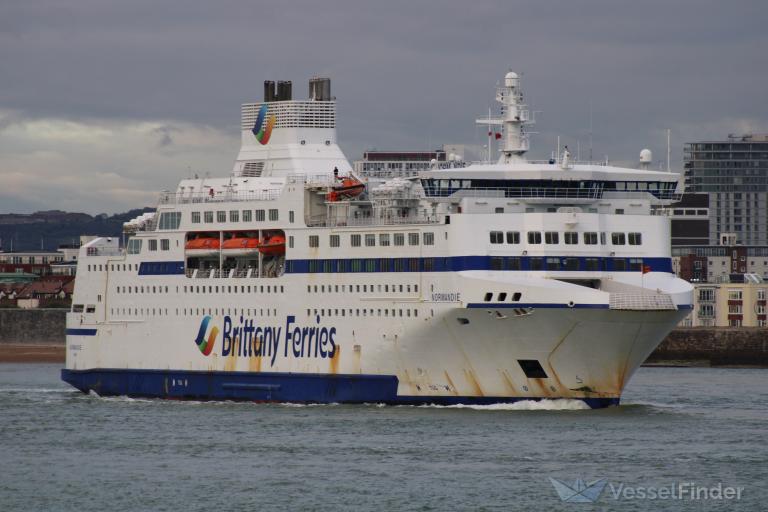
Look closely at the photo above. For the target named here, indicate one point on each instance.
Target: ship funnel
(320, 89)
(269, 91)
(284, 90)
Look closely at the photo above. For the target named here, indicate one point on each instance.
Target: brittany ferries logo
(206, 345)
(260, 130)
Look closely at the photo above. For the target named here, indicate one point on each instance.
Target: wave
(556, 404)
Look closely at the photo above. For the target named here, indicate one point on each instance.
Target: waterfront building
(735, 174)
(720, 263)
(728, 305)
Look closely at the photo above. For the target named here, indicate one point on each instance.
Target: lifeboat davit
(346, 188)
(203, 244)
(273, 246)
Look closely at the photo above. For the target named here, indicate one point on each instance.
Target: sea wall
(715, 346)
(32, 326)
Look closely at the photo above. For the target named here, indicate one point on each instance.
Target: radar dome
(646, 157)
(511, 79)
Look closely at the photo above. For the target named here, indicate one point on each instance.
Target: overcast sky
(104, 104)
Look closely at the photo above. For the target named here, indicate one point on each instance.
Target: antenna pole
(590, 130)
(557, 152)
(668, 148)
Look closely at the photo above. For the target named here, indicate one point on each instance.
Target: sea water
(677, 429)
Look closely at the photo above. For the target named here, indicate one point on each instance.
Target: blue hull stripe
(499, 305)
(268, 387)
(80, 332)
(446, 264)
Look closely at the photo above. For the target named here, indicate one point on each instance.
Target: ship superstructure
(289, 280)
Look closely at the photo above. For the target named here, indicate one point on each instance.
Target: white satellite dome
(646, 156)
(511, 79)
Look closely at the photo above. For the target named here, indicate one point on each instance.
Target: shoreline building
(735, 174)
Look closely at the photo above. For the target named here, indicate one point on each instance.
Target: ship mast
(514, 117)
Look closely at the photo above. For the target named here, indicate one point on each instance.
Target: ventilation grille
(292, 114)
(252, 169)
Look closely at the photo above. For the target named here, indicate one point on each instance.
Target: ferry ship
(290, 280)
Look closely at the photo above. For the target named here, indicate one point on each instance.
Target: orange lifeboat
(241, 243)
(348, 187)
(203, 243)
(273, 246)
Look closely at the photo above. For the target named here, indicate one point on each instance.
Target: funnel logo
(261, 131)
(579, 492)
(206, 346)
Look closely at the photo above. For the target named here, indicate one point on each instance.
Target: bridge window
(171, 220)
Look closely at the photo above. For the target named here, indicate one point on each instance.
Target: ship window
(429, 238)
(77, 308)
(619, 264)
(384, 240)
(413, 239)
(618, 239)
(635, 264)
(208, 217)
(590, 238)
(516, 296)
(134, 246)
(354, 240)
(571, 238)
(497, 237)
(553, 263)
(170, 220)
(290, 242)
(513, 263)
(370, 240)
(635, 238)
(497, 262)
(247, 215)
(234, 215)
(534, 237)
(195, 217)
(314, 241)
(290, 216)
(619, 211)
(552, 237)
(221, 216)
(259, 215)
(152, 245)
(165, 244)
(272, 214)
(537, 263)
(592, 264)
(571, 263)
(335, 241)
(399, 239)
(502, 296)
(602, 238)
(513, 237)
(488, 297)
